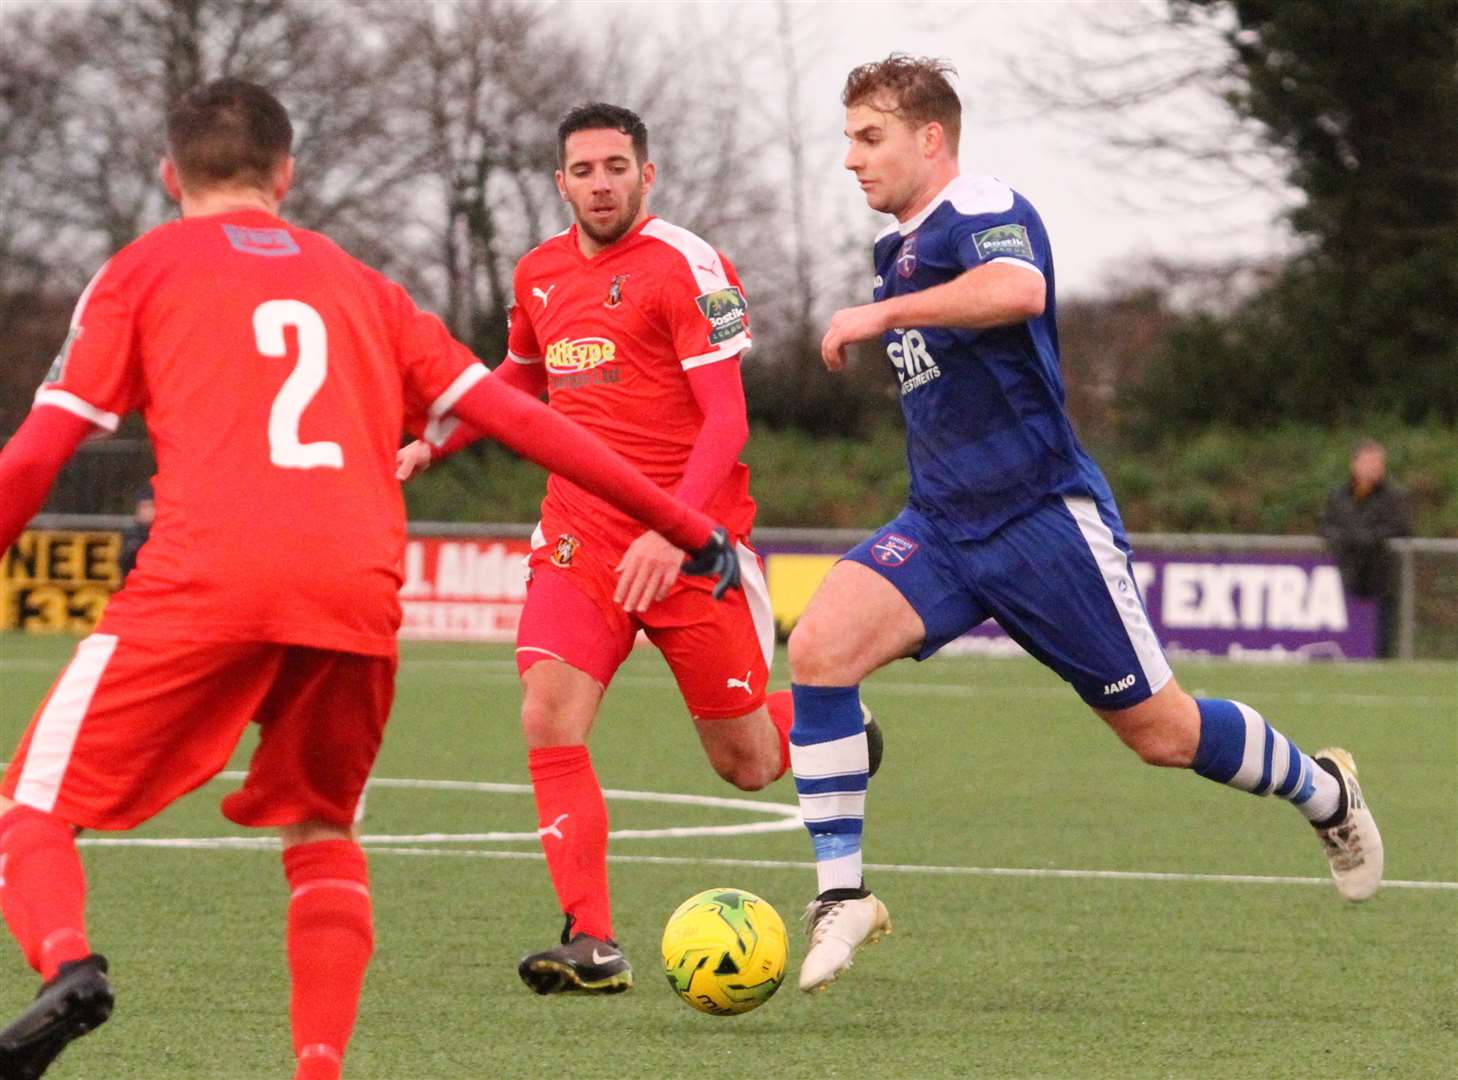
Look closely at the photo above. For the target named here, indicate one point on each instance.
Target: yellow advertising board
(793, 579)
(58, 581)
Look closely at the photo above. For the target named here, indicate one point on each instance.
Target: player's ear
(650, 173)
(561, 185)
(933, 139)
(283, 179)
(171, 183)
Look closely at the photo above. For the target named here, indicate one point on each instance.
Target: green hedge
(1215, 480)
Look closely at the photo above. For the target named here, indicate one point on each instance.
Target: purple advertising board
(1250, 606)
(1284, 606)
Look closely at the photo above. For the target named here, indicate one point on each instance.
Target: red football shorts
(131, 726)
(718, 650)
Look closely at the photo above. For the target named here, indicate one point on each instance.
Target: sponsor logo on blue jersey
(1009, 239)
(912, 360)
(269, 242)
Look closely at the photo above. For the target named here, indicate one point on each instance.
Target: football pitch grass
(1060, 909)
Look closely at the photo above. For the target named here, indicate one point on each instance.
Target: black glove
(717, 559)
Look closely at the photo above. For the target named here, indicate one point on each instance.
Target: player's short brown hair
(228, 132)
(918, 88)
(599, 114)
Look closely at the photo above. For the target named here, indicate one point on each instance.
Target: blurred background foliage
(1217, 397)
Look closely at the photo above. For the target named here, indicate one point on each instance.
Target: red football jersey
(275, 374)
(617, 332)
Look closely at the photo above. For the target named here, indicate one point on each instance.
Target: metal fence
(1427, 607)
(98, 488)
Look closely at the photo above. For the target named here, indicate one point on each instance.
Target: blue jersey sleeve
(1016, 235)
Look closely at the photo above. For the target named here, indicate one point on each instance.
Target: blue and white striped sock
(828, 758)
(1238, 747)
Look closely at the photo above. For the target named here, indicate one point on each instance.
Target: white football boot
(837, 928)
(1353, 844)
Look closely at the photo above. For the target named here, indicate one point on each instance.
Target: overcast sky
(1100, 212)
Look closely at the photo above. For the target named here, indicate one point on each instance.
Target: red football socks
(42, 889)
(572, 821)
(330, 939)
(782, 714)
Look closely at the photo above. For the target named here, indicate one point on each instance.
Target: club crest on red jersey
(615, 291)
(566, 547)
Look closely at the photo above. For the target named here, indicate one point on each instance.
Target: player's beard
(614, 231)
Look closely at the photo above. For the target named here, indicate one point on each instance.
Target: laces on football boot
(838, 922)
(1349, 837)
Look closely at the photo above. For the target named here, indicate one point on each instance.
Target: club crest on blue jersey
(906, 261)
(893, 549)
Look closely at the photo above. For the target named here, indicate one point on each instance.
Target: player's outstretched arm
(30, 463)
(994, 294)
(651, 564)
(414, 459)
(523, 424)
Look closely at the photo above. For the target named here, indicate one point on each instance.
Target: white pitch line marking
(789, 819)
(267, 844)
(505, 671)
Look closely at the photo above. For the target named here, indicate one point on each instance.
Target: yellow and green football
(724, 951)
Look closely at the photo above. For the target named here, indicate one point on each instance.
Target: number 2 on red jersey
(284, 449)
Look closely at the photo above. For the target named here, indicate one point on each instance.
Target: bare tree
(1146, 86)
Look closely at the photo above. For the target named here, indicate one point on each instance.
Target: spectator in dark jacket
(1360, 517)
(135, 534)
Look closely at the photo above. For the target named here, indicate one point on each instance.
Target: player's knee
(1159, 746)
(812, 654)
(543, 724)
(747, 772)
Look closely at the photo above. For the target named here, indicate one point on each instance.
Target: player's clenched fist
(412, 459)
(849, 325)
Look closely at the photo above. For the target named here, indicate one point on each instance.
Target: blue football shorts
(1057, 580)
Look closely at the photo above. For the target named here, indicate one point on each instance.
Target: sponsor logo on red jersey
(572, 355)
(725, 310)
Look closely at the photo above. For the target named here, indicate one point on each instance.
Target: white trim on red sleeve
(515, 359)
(727, 351)
(441, 424)
(64, 399)
(703, 261)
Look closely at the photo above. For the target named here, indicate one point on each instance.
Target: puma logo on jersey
(552, 829)
(1123, 684)
(542, 296)
(731, 682)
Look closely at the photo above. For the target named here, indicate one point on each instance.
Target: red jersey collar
(617, 245)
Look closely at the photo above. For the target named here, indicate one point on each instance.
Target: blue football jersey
(987, 438)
